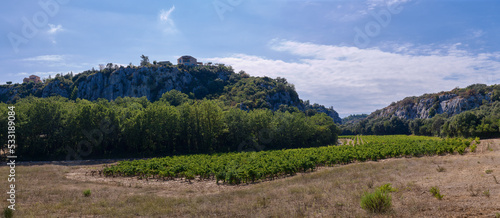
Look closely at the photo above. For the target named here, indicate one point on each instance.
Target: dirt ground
(470, 184)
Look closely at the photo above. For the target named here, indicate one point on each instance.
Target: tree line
(60, 128)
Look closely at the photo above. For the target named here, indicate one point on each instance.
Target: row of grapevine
(246, 167)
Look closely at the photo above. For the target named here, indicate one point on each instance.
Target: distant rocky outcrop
(452, 103)
(137, 82)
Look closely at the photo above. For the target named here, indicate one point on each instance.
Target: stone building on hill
(188, 61)
(32, 78)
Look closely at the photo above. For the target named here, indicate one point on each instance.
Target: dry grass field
(52, 190)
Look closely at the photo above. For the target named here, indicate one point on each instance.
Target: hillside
(199, 82)
(451, 102)
(354, 118)
(470, 111)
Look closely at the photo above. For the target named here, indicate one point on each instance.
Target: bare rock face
(55, 88)
(423, 108)
(281, 98)
(149, 82)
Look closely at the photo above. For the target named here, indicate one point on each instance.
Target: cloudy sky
(357, 56)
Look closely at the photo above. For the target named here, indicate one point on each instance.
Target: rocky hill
(452, 103)
(472, 111)
(209, 81)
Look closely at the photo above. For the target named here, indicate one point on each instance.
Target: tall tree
(144, 60)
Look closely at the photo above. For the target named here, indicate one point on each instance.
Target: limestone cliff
(452, 103)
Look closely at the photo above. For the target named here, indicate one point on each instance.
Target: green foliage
(376, 201)
(387, 188)
(481, 122)
(212, 82)
(58, 128)
(244, 167)
(174, 97)
(252, 92)
(488, 171)
(436, 193)
(74, 93)
(8, 213)
(380, 126)
(473, 148)
(86, 193)
(354, 118)
(145, 61)
(486, 193)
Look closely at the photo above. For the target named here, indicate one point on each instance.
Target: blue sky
(357, 56)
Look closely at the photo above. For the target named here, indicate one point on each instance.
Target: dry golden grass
(57, 191)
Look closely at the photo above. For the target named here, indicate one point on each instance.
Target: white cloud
(166, 22)
(47, 58)
(476, 34)
(357, 80)
(55, 29)
(165, 15)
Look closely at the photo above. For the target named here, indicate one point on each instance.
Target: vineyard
(246, 167)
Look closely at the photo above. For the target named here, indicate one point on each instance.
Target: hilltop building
(32, 78)
(164, 63)
(188, 61)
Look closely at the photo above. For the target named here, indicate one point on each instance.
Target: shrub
(435, 192)
(386, 188)
(376, 202)
(488, 171)
(440, 169)
(486, 193)
(8, 213)
(473, 148)
(86, 193)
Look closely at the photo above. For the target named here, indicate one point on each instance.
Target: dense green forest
(60, 128)
(481, 122)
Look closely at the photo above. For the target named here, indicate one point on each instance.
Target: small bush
(486, 193)
(435, 192)
(386, 188)
(86, 193)
(376, 202)
(440, 169)
(488, 171)
(473, 148)
(8, 213)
